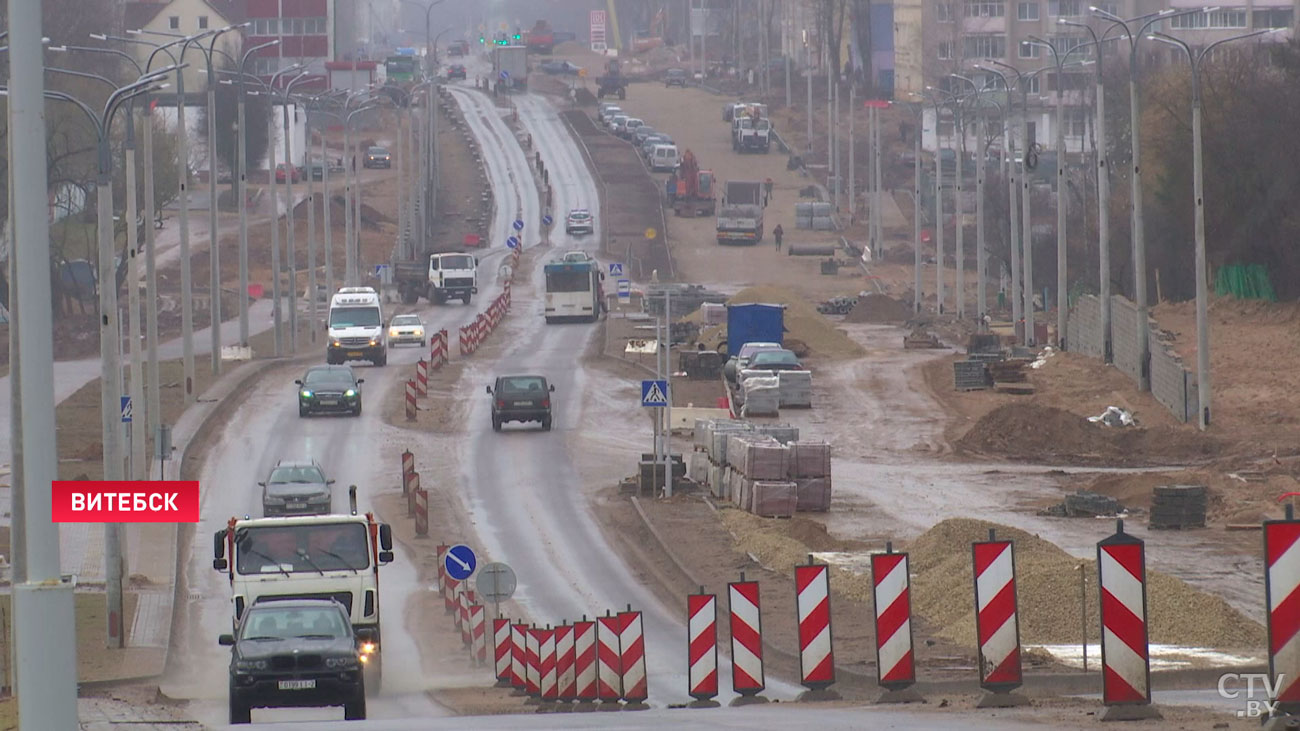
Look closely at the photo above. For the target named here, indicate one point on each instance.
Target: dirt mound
(1045, 434)
(802, 322)
(584, 96)
(878, 308)
(1048, 590)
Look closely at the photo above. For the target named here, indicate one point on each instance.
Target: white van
(356, 327)
(664, 157)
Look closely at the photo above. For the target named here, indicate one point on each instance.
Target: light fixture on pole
(1009, 155)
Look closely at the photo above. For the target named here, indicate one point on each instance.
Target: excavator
(648, 40)
(692, 190)
(612, 83)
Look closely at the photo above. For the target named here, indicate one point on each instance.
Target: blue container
(751, 323)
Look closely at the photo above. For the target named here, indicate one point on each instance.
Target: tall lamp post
(430, 49)
(289, 214)
(938, 188)
(1196, 59)
(1009, 153)
(919, 111)
(981, 296)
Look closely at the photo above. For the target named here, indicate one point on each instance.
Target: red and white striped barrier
(812, 587)
(546, 663)
(1282, 593)
(609, 660)
(480, 330)
(421, 378)
(411, 407)
(747, 677)
(478, 633)
(891, 591)
(565, 680)
(466, 341)
(533, 659)
(421, 512)
(997, 621)
(519, 656)
(584, 660)
(631, 643)
(501, 651)
(702, 646)
(414, 481)
(408, 466)
(462, 618)
(505, 294)
(443, 578)
(1125, 664)
(438, 355)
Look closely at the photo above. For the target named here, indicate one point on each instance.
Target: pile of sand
(879, 308)
(802, 322)
(1027, 431)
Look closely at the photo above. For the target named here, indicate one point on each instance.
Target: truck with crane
(740, 218)
(692, 189)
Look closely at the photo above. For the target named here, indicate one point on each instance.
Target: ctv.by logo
(1258, 694)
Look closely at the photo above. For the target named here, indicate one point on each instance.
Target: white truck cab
(356, 327)
(451, 276)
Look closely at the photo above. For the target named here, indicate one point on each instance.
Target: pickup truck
(437, 277)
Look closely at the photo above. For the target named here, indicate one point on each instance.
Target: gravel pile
(879, 308)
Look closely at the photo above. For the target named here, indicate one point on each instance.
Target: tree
(256, 110)
(832, 16)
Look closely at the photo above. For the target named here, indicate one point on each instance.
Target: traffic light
(516, 36)
(480, 39)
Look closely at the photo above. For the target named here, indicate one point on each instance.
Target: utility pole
(214, 236)
(349, 253)
(44, 651)
(853, 189)
(154, 408)
(311, 226)
(959, 207)
(289, 215)
(327, 210)
(981, 292)
(187, 283)
(136, 429)
(916, 208)
(275, 224)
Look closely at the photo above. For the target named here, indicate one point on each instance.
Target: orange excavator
(692, 189)
(648, 40)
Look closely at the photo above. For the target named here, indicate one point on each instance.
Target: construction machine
(693, 190)
(612, 83)
(647, 40)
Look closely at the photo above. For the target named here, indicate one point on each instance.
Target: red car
(279, 173)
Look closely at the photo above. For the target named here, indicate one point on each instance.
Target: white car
(579, 220)
(406, 329)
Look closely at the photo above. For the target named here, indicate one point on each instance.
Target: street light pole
(289, 214)
(1009, 150)
(241, 162)
(1061, 280)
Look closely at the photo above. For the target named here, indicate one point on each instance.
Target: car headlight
(374, 341)
(341, 663)
(350, 392)
(392, 333)
(338, 344)
(368, 648)
(318, 499)
(273, 500)
(305, 393)
(250, 665)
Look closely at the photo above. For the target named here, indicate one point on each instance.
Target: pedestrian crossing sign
(654, 394)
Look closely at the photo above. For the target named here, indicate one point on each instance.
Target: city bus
(573, 289)
(402, 69)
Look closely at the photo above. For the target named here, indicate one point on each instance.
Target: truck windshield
(568, 281)
(354, 317)
(462, 261)
(274, 549)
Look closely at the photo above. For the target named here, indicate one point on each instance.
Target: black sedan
(456, 71)
(329, 388)
(296, 487)
(378, 157)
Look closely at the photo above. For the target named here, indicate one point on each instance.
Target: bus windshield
(296, 548)
(568, 282)
(354, 317)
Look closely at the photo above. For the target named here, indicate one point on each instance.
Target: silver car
(406, 329)
(296, 487)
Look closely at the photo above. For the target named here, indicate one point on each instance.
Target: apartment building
(305, 29)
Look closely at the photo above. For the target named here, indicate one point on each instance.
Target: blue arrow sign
(126, 409)
(518, 224)
(505, 75)
(460, 562)
(512, 242)
(654, 393)
(547, 220)
(616, 269)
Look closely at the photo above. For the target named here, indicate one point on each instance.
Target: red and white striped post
(631, 643)
(501, 651)
(411, 407)
(443, 578)
(533, 659)
(462, 618)
(1125, 664)
(421, 513)
(812, 595)
(747, 677)
(997, 622)
(480, 330)
(478, 633)
(609, 661)
(519, 657)
(414, 482)
(438, 349)
(451, 599)
(546, 664)
(702, 649)
(565, 681)
(505, 294)
(584, 660)
(465, 346)
(408, 466)
(421, 378)
(1282, 596)
(895, 660)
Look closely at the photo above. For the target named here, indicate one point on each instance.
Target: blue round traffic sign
(518, 224)
(505, 75)
(547, 220)
(512, 243)
(460, 562)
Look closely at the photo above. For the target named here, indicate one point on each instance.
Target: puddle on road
(1163, 657)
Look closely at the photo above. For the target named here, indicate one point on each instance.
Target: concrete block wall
(1084, 335)
(1172, 383)
(1124, 337)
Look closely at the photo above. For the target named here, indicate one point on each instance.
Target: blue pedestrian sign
(616, 269)
(460, 562)
(518, 224)
(624, 291)
(512, 242)
(654, 393)
(547, 220)
(126, 409)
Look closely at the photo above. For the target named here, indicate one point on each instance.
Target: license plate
(296, 506)
(354, 353)
(297, 684)
(523, 403)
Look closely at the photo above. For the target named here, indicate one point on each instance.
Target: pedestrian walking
(777, 233)
(767, 188)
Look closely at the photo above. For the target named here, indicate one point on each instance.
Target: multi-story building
(305, 29)
(185, 17)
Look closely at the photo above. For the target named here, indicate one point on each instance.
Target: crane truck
(740, 219)
(692, 189)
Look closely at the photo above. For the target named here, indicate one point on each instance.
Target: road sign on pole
(624, 291)
(496, 583)
(547, 220)
(518, 224)
(460, 562)
(616, 269)
(654, 393)
(126, 409)
(512, 242)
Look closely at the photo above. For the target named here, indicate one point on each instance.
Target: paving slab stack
(809, 468)
(754, 467)
(794, 389)
(759, 461)
(760, 393)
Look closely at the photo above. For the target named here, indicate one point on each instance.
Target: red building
(305, 29)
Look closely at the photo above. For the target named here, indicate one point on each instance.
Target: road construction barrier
(546, 663)
(1282, 596)
(421, 512)
(411, 407)
(746, 638)
(584, 660)
(501, 651)
(812, 589)
(702, 645)
(609, 661)
(466, 632)
(505, 295)
(566, 689)
(1125, 664)
(895, 667)
(631, 643)
(421, 378)
(997, 615)
(478, 633)
(443, 578)
(519, 656)
(466, 341)
(533, 659)
(438, 355)
(480, 330)
(414, 482)
(408, 466)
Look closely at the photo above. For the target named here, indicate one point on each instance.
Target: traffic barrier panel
(891, 584)
(501, 651)
(408, 466)
(813, 604)
(609, 663)
(519, 656)
(441, 558)
(480, 330)
(478, 633)
(414, 482)
(1282, 597)
(506, 293)
(565, 680)
(421, 512)
(1125, 663)
(546, 663)
(584, 660)
(533, 659)
(438, 354)
(466, 629)
(997, 614)
(465, 348)
(702, 646)
(451, 598)
(746, 638)
(631, 643)
(421, 378)
(411, 407)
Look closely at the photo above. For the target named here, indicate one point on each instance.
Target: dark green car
(329, 388)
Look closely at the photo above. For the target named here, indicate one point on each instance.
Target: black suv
(675, 77)
(329, 388)
(521, 398)
(295, 653)
(378, 157)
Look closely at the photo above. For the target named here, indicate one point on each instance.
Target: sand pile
(1051, 435)
(879, 308)
(802, 322)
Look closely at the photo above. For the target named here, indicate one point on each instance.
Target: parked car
(629, 128)
(648, 145)
(614, 121)
(775, 360)
(675, 77)
(521, 398)
(563, 68)
(607, 111)
(295, 653)
(663, 158)
(296, 487)
(378, 157)
(642, 132)
(579, 220)
(406, 329)
(329, 388)
(740, 361)
(281, 170)
(456, 71)
(317, 167)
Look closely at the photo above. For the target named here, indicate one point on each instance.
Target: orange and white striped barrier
(631, 642)
(895, 661)
(421, 378)
(546, 664)
(565, 680)
(1125, 663)
(519, 656)
(438, 354)
(443, 578)
(584, 660)
(466, 631)
(747, 677)
(702, 648)
(414, 481)
(502, 647)
(533, 659)
(478, 633)
(813, 604)
(609, 661)
(1281, 591)
(411, 408)
(421, 513)
(997, 622)
(408, 466)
